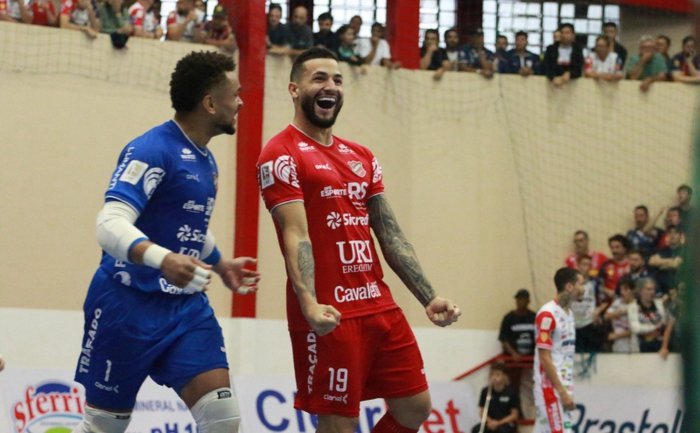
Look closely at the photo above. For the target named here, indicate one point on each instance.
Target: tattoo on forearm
(305, 261)
(398, 252)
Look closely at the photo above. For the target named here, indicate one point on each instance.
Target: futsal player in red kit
(324, 194)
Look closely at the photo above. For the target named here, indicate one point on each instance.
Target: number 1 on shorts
(339, 379)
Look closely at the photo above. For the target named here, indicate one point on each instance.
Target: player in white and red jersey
(143, 20)
(326, 192)
(555, 339)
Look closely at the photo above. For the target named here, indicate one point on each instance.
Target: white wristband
(154, 256)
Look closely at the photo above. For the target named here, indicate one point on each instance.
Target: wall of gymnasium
(489, 178)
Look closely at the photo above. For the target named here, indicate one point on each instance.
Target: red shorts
(363, 358)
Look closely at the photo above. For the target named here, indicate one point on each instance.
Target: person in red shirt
(43, 13)
(581, 249)
(325, 193)
(617, 267)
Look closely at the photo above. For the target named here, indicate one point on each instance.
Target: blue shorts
(130, 334)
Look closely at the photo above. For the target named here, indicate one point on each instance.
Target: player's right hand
(186, 272)
(567, 402)
(322, 318)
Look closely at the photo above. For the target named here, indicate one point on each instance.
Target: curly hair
(195, 75)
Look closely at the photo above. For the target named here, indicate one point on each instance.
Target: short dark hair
(565, 276)
(603, 38)
(342, 29)
(502, 37)
(622, 239)
(625, 281)
(310, 54)
(428, 31)
(635, 251)
(195, 75)
(499, 366)
(375, 25)
(675, 209)
(685, 187)
(642, 207)
(448, 31)
(610, 24)
(521, 33)
(274, 6)
(665, 38)
(581, 232)
(569, 25)
(326, 16)
(688, 39)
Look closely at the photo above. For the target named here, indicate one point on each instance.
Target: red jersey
(597, 260)
(613, 271)
(334, 183)
(40, 10)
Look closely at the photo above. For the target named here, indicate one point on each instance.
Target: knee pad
(102, 421)
(217, 412)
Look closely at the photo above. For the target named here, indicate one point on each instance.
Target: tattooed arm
(402, 259)
(299, 260)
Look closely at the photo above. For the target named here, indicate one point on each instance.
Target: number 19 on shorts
(338, 379)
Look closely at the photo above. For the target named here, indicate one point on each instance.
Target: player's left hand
(236, 276)
(442, 312)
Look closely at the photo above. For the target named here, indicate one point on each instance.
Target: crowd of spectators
(122, 19)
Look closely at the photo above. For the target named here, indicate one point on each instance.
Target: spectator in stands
(603, 63)
(588, 312)
(79, 15)
(277, 33)
(621, 336)
(143, 20)
(647, 317)
(186, 23)
(517, 333)
(686, 64)
(431, 45)
(346, 47)
(684, 194)
(452, 53)
(638, 268)
(16, 11)
(501, 404)
(647, 66)
(114, 17)
(556, 36)
(616, 267)
(671, 341)
(501, 50)
(301, 37)
(325, 37)
(610, 31)
(667, 261)
(356, 25)
(476, 57)
(519, 60)
(218, 31)
(563, 60)
(43, 13)
(644, 236)
(663, 44)
(672, 219)
(581, 248)
(375, 50)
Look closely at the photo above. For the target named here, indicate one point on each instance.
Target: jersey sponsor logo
(121, 167)
(357, 168)
(351, 294)
(50, 406)
(546, 323)
(357, 190)
(123, 277)
(376, 171)
(186, 234)
(306, 147)
(166, 287)
(285, 169)
(323, 167)
(344, 149)
(355, 256)
(133, 172)
(330, 192)
(152, 179)
(187, 155)
(354, 190)
(192, 176)
(336, 398)
(192, 206)
(265, 176)
(335, 220)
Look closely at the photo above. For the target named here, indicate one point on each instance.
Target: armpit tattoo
(398, 252)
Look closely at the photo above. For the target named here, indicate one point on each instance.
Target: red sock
(387, 424)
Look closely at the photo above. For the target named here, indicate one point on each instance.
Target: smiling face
(318, 91)
(226, 102)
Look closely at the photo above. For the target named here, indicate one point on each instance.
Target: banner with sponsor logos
(267, 405)
(627, 409)
(49, 401)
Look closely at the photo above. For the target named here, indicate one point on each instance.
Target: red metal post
(249, 21)
(402, 31)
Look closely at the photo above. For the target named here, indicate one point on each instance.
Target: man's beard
(226, 128)
(308, 106)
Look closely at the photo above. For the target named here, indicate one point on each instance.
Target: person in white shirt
(376, 50)
(621, 336)
(603, 63)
